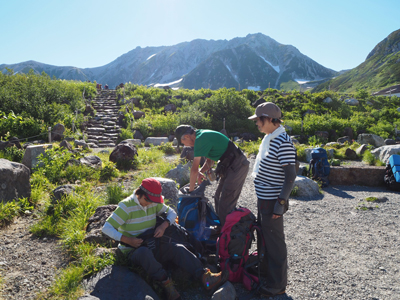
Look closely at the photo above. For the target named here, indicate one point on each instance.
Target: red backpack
(234, 244)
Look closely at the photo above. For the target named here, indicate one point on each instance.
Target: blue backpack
(319, 166)
(392, 174)
(197, 215)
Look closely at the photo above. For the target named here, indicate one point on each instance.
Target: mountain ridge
(276, 63)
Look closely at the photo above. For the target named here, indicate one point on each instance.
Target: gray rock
(170, 107)
(96, 223)
(327, 100)
(390, 142)
(137, 114)
(135, 142)
(92, 161)
(351, 102)
(344, 139)
(32, 153)
(169, 191)
(322, 134)
(332, 144)
(81, 143)
(350, 153)
(14, 181)
(306, 187)
(59, 192)
(138, 135)
(155, 141)
(188, 153)
(122, 153)
(181, 174)
(117, 278)
(66, 145)
(372, 139)
(225, 292)
(360, 150)
(383, 153)
(57, 132)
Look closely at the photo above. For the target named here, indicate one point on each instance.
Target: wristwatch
(281, 201)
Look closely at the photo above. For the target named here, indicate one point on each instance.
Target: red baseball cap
(152, 187)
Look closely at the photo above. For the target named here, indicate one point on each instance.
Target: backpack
(197, 215)
(392, 174)
(174, 233)
(319, 166)
(234, 244)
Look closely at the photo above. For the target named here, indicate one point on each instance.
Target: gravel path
(336, 251)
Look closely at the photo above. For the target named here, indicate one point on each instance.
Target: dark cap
(181, 130)
(267, 109)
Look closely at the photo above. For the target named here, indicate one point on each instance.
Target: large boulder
(96, 223)
(372, 139)
(124, 153)
(66, 145)
(81, 143)
(138, 135)
(383, 153)
(170, 108)
(327, 100)
(57, 132)
(14, 180)
(118, 283)
(137, 114)
(181, 174)
(169, 191)
(32, 153)
(306, 187)
(92, 161)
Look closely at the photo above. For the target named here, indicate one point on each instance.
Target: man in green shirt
(232, 166)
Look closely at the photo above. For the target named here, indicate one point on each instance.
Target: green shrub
(108, 171)
(115, 193)
(12, 154)
(369, 158)
(167, 148)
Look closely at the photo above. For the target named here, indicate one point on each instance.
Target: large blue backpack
(197, 215)
(392, 175)
(319, 166)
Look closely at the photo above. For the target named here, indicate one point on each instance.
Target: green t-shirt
(209, 143)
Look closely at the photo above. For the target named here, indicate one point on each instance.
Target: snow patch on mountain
(151, 56)
(276, 68)
(168, 84)
(254, 88)
(301, 81)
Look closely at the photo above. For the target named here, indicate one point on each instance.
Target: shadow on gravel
(338, 191)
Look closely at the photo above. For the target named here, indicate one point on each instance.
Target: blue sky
(338, 34)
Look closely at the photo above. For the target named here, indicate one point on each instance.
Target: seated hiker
(135, 215)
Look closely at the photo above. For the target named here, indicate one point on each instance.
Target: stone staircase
(102, 129)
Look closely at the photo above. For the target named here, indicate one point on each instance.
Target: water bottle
(235, 262)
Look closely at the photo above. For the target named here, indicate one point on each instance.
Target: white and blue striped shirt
(270, 177)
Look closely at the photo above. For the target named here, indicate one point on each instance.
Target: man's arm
(194, 173)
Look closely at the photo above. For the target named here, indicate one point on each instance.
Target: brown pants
(229, 187)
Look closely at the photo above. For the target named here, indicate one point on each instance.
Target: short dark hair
(274, 121)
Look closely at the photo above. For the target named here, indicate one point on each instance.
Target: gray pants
(229, 187)
(168, 253)
(276, 253)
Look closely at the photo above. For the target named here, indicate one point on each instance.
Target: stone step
(106, 145)
(96, 129)
(90, 140)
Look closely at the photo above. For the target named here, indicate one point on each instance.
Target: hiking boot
(169, 288)
(266, 292)
(212, 281)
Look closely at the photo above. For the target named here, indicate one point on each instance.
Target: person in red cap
(137, 214)
(274, 175)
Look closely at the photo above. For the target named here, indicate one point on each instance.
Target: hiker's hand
(200, 177)
(274, 216)
(134, 242)
(159, 232)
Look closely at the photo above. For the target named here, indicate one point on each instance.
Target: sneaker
(212, 281)
(169, 288)
(266, 292)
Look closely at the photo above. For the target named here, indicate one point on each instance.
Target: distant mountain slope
(255, 61)
(380, 69)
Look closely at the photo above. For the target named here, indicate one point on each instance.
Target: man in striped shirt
(135, 215)
(275, 173)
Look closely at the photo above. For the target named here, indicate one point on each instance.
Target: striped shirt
(270, 177)
(132, 219)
